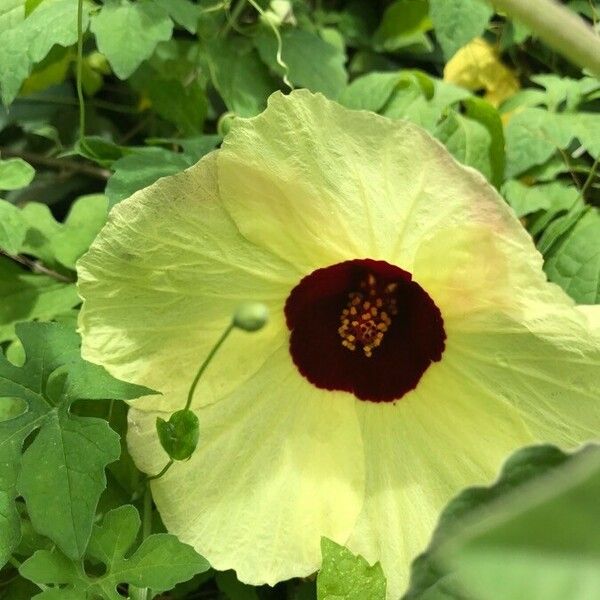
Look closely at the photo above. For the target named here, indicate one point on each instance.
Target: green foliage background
(101, 99)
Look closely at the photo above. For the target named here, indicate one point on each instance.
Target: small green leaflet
(370, 92)
(26, 296)
(15, 173)
(57, 245)
(533, 135)
(12, 228)
(409, 94)
(160, 562)
(404, 26)
(573, 260)
(312, 62)
(183, 12)
(457, 22)
(170, 82)
(26, 44)
(144, 166)
(32, 230)
(476, 138)
(559, 90)
(525, 200)
(179, 435)
(69, 453)
(344, 576)
(238, 74)
(127, 33)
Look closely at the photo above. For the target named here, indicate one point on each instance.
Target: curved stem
(79, 70)
(559, 27)
(206, 363)
(137, 593)
(162, 471)
(234, 16)
(590, 178)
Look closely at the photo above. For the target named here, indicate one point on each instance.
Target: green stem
(79, 70)
(147, 513)
(590, 178)
(162, 471)
(136, 593)
(559, 27)
(205, 364)
(194, 385)
(234, 16)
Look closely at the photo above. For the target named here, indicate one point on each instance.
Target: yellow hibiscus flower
(413, 344)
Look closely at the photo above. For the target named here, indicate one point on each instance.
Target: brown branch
(36, 267)
(58, 163)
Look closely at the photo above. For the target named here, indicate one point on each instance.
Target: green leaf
(15, 173)
(370, 92)
(468, 141)
(86, 217)
(483, 112)
(587, 130)
(98, 149)
(404, 26)
(312, 62)
(559, 90)
(160, 562)
(533, 136)
(127, 33)
(183, 104)
(183, 12)
(26, 296)
(476, 139)
(344, 576)
(10, 528)
(540, 543)
(573, 261)
(432, 581)
(525, 200)
(457, 22)
(59, 245)
(179, 435)
(69, 453)
(12, 228)
(422, 99)
(241, 78)
(21, 47)
(142, 168)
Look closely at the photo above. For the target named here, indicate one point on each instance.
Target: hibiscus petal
(322, 184)
(279, 465)
(446, 435)
(161, 283)
(501, 385)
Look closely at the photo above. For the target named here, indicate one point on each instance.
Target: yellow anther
(364, 323)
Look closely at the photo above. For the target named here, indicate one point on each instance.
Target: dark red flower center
(365, 327)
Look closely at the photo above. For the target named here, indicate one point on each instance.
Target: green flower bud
(251, 316)
(224, 123)
(179, 435)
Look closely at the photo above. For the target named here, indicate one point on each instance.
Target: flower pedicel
(413, 340)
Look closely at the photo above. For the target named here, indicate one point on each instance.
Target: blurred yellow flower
(477, 66)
